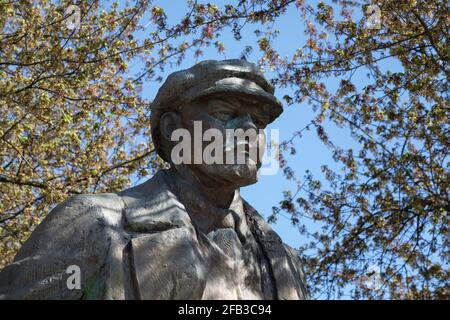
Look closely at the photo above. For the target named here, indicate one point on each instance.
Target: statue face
(226, 115)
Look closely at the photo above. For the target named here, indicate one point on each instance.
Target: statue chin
(237, 175)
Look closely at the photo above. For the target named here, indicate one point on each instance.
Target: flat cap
(212, 77)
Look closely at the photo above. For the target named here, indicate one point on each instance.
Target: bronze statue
(184, 234)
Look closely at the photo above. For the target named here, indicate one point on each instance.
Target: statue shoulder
(86, 230)
(152, 207)
(80, 231)
(72, 220)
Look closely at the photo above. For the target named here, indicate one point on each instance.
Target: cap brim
(268, 102)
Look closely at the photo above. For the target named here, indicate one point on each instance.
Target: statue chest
(234, 268)
(178, 264)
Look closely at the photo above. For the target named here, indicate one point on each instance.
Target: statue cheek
(232, 124)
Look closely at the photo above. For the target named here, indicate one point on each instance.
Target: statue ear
(168, 122)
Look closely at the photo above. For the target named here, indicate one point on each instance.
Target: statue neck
(209, 208)
(218, 195)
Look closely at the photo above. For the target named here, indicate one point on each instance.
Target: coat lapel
(165, 259)
(152, 207)
(287, 283)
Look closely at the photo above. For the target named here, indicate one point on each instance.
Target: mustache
(252, 150)
(232, 145)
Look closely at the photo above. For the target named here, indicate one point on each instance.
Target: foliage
(384, 212)
(74, 120)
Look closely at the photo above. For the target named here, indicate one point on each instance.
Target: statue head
(210, 99)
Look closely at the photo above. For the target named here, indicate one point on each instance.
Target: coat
(136, 244)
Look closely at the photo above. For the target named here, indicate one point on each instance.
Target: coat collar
(287, 283)
(152, 207)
